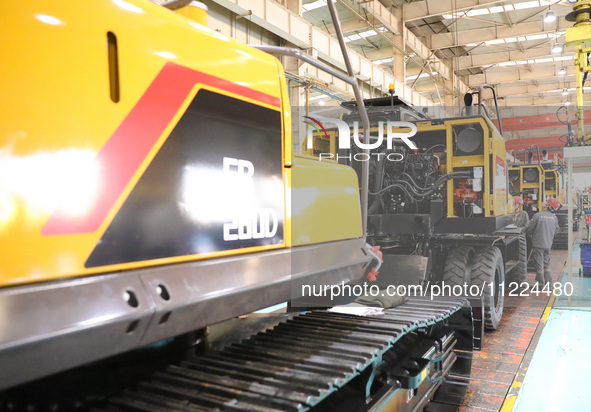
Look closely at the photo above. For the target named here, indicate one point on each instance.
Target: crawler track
(321, 360)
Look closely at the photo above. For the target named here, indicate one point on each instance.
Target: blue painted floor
(557, 378)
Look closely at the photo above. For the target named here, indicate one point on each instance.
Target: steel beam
(517, 90)
(522, 74)
(423, 9)
(542, 142)
(541, 121)
(294, 29)
(511, 81)
(352, 25)
(464, 37)
(489, 59)
(376, 14)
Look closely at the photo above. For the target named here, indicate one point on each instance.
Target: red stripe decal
(127, 148)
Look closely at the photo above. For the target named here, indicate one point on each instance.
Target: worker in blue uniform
(542, 228)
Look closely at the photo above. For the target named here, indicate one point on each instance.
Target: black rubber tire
(562, 220)
(560, 240)
(488, 268)
(520, 271)
(457, 262)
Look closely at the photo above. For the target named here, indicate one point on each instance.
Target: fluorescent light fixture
(550, 17)
(314, 5)
(320, 96)
(368, 33)
(364, 34)
(421, 76)
(532, 61)
(480, 12)
(536, 36)
(383, 61)
(541, 36)
(506, 7)
(526, 5)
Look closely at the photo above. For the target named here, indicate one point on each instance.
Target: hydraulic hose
(380, 168)
(401, 187)
(437, 183)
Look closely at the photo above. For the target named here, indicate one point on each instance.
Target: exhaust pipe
(468, 100)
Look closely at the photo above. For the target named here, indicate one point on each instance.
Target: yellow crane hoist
(580, 36)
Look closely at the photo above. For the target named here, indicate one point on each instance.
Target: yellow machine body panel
(322, 145)
(499, 163)
(100, 146)
(492, 160)
(529, 180)
(319, 207)
(552, 188)
(491, 157)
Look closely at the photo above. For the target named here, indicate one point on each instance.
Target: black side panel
(216, 184)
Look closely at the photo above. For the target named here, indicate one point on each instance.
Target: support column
(298, 93)
(398, 65)
(580, 64)
(572, 155)
(399, 62)
(569, 193)
(294, 5)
